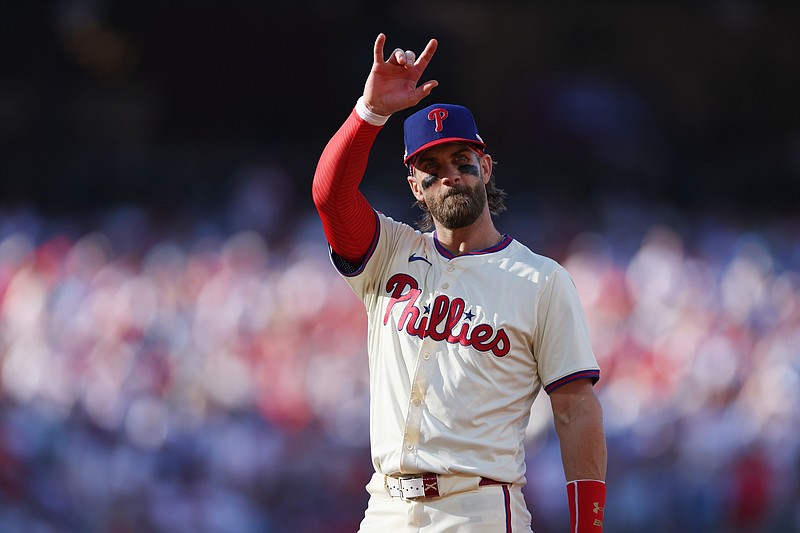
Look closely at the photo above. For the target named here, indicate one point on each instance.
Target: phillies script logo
(438, 114)
(445, 314)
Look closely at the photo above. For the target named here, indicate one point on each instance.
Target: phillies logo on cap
(438, 115)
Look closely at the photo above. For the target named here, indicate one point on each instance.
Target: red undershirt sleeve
(348, 220)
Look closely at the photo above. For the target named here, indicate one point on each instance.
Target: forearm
(582, 438)
(347, 218)
(579, 424)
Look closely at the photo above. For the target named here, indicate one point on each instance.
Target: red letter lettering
(395, 286)
(438, 114)
(480, 337)
(500, 345)
(438, 316)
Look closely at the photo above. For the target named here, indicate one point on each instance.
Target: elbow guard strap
(587, 498)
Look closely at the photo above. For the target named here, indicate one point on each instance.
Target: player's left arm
(578, 419)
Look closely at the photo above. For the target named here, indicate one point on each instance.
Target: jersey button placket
(414, 417)
(450, 273)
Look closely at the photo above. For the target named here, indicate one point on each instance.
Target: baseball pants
(486, 509)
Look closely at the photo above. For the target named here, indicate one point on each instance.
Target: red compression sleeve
(587, 499)
(348, 220)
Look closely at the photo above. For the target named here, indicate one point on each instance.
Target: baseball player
(466, 325)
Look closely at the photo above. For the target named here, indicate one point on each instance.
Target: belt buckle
(412, 487)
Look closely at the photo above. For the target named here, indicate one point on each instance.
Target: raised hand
(392, 84)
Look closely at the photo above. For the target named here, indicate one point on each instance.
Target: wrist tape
(368, 116)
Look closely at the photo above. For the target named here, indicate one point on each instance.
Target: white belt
(413, 487)
(429, 485)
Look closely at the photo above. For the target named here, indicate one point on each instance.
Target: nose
(449, 175)
(450, 180)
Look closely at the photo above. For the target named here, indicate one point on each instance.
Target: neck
(479, 235)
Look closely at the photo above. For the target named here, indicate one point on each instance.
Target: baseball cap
(437, 124)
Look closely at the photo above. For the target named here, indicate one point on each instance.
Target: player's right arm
(347, 218)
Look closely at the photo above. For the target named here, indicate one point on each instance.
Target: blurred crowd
(215, 379)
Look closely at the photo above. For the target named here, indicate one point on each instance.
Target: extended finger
(427, 54)
(425, 89)
(377, 51)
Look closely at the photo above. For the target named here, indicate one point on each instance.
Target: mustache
(457, 190)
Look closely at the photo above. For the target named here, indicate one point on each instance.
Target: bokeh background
(177, 353)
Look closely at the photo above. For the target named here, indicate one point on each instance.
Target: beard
(460, 207)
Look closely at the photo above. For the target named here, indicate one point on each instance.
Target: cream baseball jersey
(459, 347)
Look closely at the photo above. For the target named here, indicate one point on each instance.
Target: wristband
(587, 499)
(368, 116)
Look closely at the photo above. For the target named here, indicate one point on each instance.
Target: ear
(416, 189)
(486, 168)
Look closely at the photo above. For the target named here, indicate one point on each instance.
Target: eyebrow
(464, 148)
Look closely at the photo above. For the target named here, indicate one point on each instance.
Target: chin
(458, 224)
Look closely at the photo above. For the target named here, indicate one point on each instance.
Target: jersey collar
(504, 242)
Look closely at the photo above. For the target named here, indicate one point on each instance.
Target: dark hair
(495, 197)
